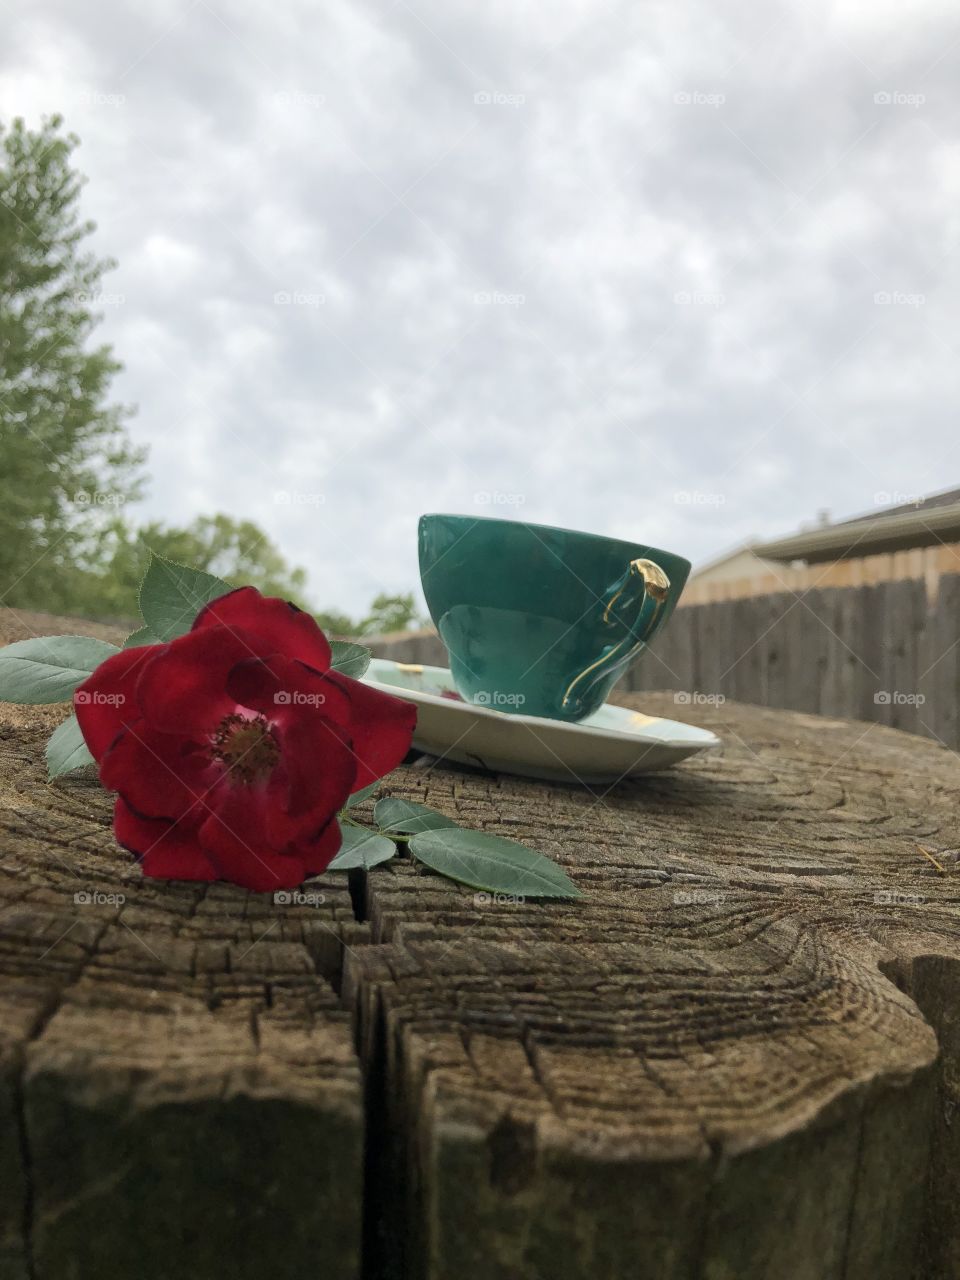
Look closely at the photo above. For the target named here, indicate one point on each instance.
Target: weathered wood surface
(738, 1057)
(886, 652)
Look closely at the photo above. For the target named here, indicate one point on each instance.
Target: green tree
(390, 613)
(67, 463)
(387, 613)
(236, 550)
(339, 625)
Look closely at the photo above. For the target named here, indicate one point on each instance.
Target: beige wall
(741, 564)
(927, 563)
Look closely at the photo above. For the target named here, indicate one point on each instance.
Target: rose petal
(167, 851)
(184, 689)
(314, 780)
(319, 852)
(280, 688)
(162, 775)
(381, 728)
(105, 702)
(236, 841)
(277, 626)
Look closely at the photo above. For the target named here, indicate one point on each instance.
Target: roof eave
(866, 537)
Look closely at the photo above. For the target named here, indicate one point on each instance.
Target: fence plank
(946, 661)
(903, 620)
(927, 640)
(806, 677)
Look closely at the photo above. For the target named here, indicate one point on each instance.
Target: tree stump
(737, 1058)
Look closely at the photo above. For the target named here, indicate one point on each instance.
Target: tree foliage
(387, 613)
(66, 458)
(236, 550)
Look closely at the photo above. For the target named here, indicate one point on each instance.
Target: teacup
(541, 621)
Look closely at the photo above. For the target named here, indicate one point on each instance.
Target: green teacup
(541, 621)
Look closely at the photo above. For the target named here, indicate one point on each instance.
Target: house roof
(948, 498)
(897, 528)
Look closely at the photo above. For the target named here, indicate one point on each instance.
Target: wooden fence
(928, 563)
(888, 653)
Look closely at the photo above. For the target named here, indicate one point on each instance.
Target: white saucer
(613, 743)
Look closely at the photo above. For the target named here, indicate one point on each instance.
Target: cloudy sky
(678, 272)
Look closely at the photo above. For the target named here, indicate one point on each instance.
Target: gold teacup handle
(656, 584)
(655, 587)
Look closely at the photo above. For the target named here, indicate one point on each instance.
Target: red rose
(233, 748)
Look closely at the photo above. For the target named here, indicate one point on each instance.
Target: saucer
(613, 743)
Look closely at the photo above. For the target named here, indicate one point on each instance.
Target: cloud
(396, 258)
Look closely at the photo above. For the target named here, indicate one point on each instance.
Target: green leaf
(394, 815)
(492, 863)
(141, 637)
(349, 659)
(66, 749)
(361, 848)
(49, 668)
(364, 793)
(171, 596)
